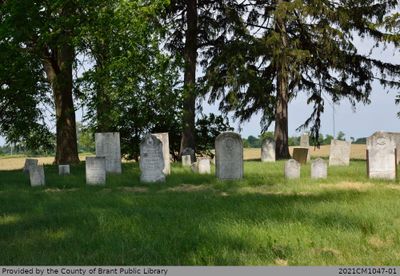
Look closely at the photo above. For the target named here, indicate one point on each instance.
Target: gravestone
(164, 138)
(305, 143)
(63, 169)
(300, 155)
(186, 160)
(381, 156)
(319, 169)
(229, 156)
(108, 146)
(189, 151)
(151, 160)
(36, 176)
(29, 163)
(204, 165)
(339, 153)
(268, 150)
(292, 169)
(395, 136)
(95, 170)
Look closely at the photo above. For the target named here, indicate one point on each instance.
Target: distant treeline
(255, 142)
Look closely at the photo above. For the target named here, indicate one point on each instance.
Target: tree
(282, 48)
(341, 136)
(46, 32)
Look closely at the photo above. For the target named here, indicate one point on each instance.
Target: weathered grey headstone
(319, 169)
(36, 176)
(305, 143)
(229, 156)
(96, 170)
(186, 160)
(381, 156)
(339, 153)
(204, 165)
(395, 136)
(292, 169)
(268, 150)
(29, 163)
(300, 155)
(151, 160)
(189, 151)
(64, 169)
(108, 145)
(164, 138)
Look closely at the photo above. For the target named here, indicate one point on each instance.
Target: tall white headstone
(108, 145)
(36, 176)
(268, 150)
(151, 160)
(164, 138)
(339, 153)
(229, 156)
(381, 153)
(95, 170)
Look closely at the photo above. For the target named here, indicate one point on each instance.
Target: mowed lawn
(197, 220)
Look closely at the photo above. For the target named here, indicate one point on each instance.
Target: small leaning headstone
(151, 160)
(164, 138)
(95, 170)
(229, 156)
(292, 169)
(64, 169)
(319, 169)
(186, 160)
(268, 150)
(300, 155)
(108, 145)
(29, 163)
(36, 176)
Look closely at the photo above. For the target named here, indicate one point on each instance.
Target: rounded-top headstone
(229, 156)
(319, 169)
(268, 150)
(292, 169)
(151, 160)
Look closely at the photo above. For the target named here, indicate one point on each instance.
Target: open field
(198, 220)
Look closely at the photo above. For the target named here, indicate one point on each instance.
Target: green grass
(198, 220)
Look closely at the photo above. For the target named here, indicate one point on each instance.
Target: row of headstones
(36, 171)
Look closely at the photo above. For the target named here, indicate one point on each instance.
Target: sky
(380, 115)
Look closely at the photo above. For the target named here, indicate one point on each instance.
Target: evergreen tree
(281, 48)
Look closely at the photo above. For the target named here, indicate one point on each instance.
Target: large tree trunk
(281, 113)
(189, 96)
(58, 66)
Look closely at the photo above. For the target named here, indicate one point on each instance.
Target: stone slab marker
(381, 156)
(229, 156)
(36, 176)
(268, 150)
(164, 138)
(64, 169)
(292, 169)
(305, 143)
(300, 155)
(186, 160)
(108, 145)
(204, 166)
(95, 170)
(395, 136)
(189, 151)
(29, 163)
(339, 153)
(151, 160)
(319, 169)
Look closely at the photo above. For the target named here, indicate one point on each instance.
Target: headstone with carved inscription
(268, 150)
(339, 153)
(319, 169)
(151, 160)
(229, 156)
(292, 169)
(164, 138)
(381, 156)
(108, 146)
(95, 170)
